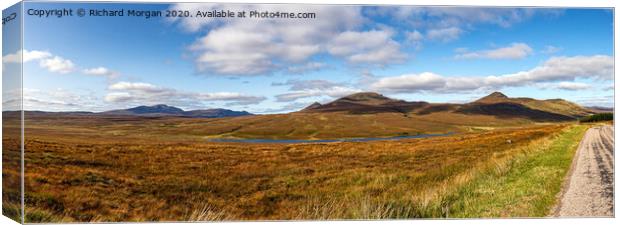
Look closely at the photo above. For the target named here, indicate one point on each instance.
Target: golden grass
(11, 170)
(278, 126)
(85, 173)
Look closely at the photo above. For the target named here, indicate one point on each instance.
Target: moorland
(145, 165)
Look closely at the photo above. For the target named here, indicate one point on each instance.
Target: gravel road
(589, 192)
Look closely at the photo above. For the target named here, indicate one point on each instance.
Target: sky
(262, 65)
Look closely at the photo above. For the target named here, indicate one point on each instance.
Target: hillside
(556, 106)
(365, 103)
(495, 104)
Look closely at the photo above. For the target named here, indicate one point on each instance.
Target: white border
(545, 3)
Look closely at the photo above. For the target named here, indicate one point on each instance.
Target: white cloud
(100, 71)
(57, 64)
(237, 47)
(513, 51)
(601, 101)
(310, 66)
(444, 34)
(334, 92)
(411, 82)
(313, 88)
(568, 68)
(254, 47)
(556, 69)
(296, 85)
(54, 63)
(288, 107)
(146, 93)
(375, 47)
(52, 100)
(413, 37)
(261, 46)
(135, 86)
(118, 97)
(35, 55)
(572, 86)
(27, 56)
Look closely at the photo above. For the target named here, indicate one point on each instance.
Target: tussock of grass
(209, 213)
(365, 208)
(12, 211)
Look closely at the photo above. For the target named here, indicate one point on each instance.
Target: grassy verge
(525, 186)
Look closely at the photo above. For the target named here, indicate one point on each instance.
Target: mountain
(148, 110)
(215, 113)
(165, 110)
(495, 104)
(363, 103)
(312, 106)
(494, 97)
(556, 106)
(368, 98)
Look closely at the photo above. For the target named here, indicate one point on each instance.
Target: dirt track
(589, 192)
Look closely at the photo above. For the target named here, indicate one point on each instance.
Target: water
(293, 141)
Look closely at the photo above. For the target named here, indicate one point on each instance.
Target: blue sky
(436, 54)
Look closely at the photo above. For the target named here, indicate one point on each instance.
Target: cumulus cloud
(334, 92)
(54, 63)
(310, 66)
(513, 51)
(146, 93)
(237, 47)
(288, 107)
(313, 88)
(572, 86)
(26, 56)
(57, 64)
(419, 82)
(51, 100)
(601, 101)
(444, 34)
(375, 47)
(413, 37)
(255, 47)
(100, 71)
(296, 85)
(135, 86)
(556, 69)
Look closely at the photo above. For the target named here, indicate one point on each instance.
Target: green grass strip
(526, 188)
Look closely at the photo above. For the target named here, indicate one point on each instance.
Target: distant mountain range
(165, 110)
(496, 104)
(160, 110)
(365, 114)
